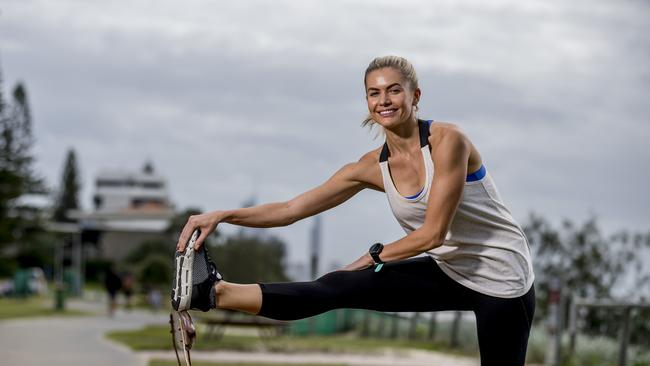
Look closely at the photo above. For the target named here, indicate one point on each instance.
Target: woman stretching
(478, 258)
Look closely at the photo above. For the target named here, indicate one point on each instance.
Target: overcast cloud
(234, 99)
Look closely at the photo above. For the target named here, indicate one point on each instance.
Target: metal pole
(313, 261)
(59, 290)
(77, 258)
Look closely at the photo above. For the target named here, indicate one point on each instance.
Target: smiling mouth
(387, 113)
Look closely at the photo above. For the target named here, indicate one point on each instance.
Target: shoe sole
(184, 263)
(183, 334)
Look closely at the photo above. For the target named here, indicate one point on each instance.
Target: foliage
(152, 261)
(590, 265)
(155, 271)
(95, 269)
(146, 249)
(17, 224)
(68, 197)
(250, 259)
(179, 220)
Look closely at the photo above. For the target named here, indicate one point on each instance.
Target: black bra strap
(423, 129)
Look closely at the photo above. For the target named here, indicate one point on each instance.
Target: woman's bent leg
(503, 327)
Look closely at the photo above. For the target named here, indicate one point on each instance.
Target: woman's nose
(385, 100)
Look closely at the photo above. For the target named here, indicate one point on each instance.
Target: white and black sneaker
(194, 278)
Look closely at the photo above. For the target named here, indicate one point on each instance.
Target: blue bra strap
(477, 175)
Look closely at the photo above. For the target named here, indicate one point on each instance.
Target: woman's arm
(344, 184)
(450, 153)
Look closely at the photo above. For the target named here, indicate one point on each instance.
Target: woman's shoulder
(441, 127)
(448, 138)
(444, 131)
(366, 169)
(371, 157)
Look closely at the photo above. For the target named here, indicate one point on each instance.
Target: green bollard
(59, 298)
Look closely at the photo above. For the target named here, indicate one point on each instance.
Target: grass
(11, 308)
(198, 363)
(158, 338)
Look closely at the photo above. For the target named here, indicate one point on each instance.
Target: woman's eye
(395, 91)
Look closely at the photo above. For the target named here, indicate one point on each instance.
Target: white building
(129, 208)
(124, 191)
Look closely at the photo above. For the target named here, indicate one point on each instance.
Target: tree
(68, 198)
(16, 175)
(589, 265)
(250, 259)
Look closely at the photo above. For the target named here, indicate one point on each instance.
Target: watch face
(376, 248)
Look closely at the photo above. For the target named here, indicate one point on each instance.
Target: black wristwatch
(374, 251)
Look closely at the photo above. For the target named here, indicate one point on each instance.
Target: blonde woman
(477, 256)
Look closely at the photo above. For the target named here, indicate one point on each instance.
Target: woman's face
(390, 98)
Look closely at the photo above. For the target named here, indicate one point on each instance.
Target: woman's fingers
(199, 241)
(194, 222)
(187, 231)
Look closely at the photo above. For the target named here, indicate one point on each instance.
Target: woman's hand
(206, 222)
(363, 262)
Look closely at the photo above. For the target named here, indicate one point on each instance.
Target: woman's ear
(416, 96)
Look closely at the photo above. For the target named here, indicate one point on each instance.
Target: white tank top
(485, 248)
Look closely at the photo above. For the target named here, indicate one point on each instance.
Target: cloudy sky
(265, 98)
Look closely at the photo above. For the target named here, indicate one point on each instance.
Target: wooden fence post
(365, 326)
(394, 328)
(573, 326)
(381, 324)
(625, 336)
(455, 330)
(432, 327)
(414, 325)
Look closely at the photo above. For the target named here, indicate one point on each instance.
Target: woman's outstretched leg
(411, 285)
(233, 296)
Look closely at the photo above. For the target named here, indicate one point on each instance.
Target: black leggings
(413, 285)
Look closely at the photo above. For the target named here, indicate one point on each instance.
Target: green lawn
(31, 307)
(198, 363)
(158, 338)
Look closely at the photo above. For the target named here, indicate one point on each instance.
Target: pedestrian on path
(112, 283)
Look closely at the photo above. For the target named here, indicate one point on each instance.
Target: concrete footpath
(403, 358)
(72, 341)
(80, 341)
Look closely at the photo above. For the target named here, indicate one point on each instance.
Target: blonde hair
(394, 62)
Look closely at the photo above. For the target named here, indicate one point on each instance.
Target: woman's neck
(401, 139)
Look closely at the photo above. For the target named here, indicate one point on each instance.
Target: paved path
(71, 341)
(79, 341)
(404, 358)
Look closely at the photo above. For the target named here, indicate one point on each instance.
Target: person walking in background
(127, 288)
(112, 283)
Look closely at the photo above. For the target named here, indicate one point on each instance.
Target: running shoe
(195, 275)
